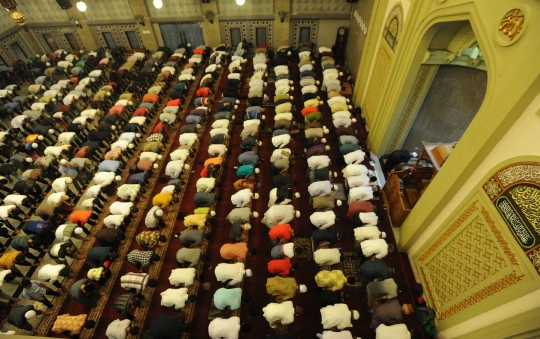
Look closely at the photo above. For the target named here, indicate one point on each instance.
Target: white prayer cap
(336, 187)
(383, 235)
(247, 227)
(260, 143)
(347, 100)
(297, 214)
(118, 178)
(160, 157)
(51, 131)
(159, 212)
(323, 140)
(257, 171)
(113, 128)
(40, 137)
(249, 273)
(235, 106)
(28, 159)
(131, 146)
(75, 97)
(356, 315)
(218, 66)
(349, 106)
(213, 213)
(189, 45)
(47, 64)
(414, 155)
(53, 100)
(92, 80)
(69, 181)
(292, 88)
(199, 126)
(43, 87)
(34, 145)
(263, 117)
(156, 166)
(302, 288)
(297, 195)
(313, 62)
(326, 131)
(237, 101)
(255, 214)
(130, 103)
(289, 53)
(354, 120)
(327, 148)
(256, 196)
(63, 161)
(108, 94)
(186, 166)
(335, 174)
(30, 314)
(138, 135)
(317, 82)
(320, 102)
(370, 173)
(240, 68)
(78, 230)
(291, 97)
(339, 203)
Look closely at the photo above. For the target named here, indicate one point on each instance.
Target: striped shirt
(135, 281)
(137, 257)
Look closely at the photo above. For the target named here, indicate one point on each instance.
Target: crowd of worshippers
(66, 140)
(64, 146)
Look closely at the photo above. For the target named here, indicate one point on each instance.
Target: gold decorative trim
(507, 280)
(527, 171)
(420, 82)
(376, 83)
(500, 239)
(455, 225)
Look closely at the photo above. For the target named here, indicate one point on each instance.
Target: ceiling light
(240, 2)
(81, 6)
(158, 4)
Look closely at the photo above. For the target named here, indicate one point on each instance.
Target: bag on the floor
(425, 315)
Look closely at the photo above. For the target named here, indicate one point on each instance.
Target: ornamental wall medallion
(511, 27)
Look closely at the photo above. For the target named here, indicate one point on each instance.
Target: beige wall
(521, 140)
(328, 31)
(357, 39)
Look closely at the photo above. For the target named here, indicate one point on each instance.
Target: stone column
(282, 29)
(138, 7)
(86, 33)
(211, 31)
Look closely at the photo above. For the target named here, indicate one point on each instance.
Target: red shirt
(118, 109)
(175, 102)
(140, 112)
(203, 92)
(198, 51)
(157, 128)
(280, 232)
(357, 207)
(280, 266)
(204, 172)
(80, 217)
(308, 110)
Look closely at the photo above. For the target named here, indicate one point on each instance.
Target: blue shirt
(69, 171)
(137, 178)
(228, 297)
(147, 105)
(193, 119)
(109, 165)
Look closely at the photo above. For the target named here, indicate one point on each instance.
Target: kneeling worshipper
(335, 335)
(338, 316)
(283, 288)
(375, 270)
(230, 328)
(364, 233)
(385, 290)
(231, 274)
(176, 297)
(85, 293)
(377, 248)
(166, 326)
(398, 331)
(228, 298)
(119, 329)
(332, 280)
(389, 313)
(327, 256)
(238, 251)
(282, 313)
(182, 277)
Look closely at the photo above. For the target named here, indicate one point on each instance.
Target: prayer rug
(213, 312)
(247, 80)
(305, 244)
(340, 193)
(350, 265)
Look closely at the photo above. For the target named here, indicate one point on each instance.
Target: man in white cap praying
(338, 316)
(21, 315)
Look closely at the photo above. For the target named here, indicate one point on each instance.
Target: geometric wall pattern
(107, 10)
(118, 33)
(58, 35)
(247, 30)
(6, 51)
(376, 83)
(175, 9)
(297, 24)
(469, 262)
(43, 11)
(250, 7)
(321, 7)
